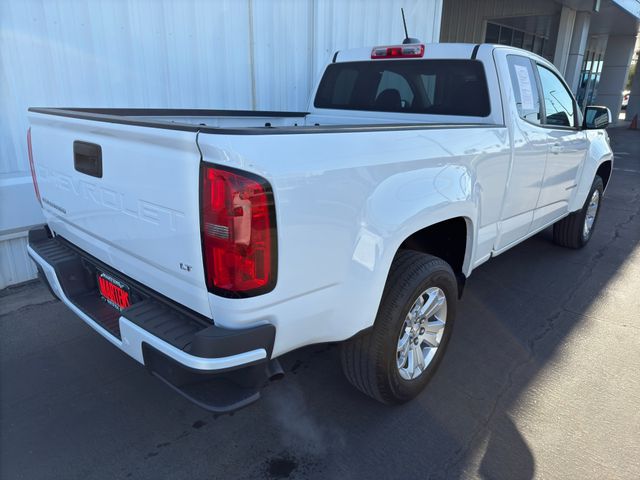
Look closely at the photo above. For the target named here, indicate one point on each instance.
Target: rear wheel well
(604, 172)
(446, 240)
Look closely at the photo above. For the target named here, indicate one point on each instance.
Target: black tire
(369, 361)
(569, 232)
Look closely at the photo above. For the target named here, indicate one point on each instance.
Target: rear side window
(440, 87)
(525, 89)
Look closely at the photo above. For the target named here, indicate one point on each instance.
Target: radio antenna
(407, 38)
(404, 22)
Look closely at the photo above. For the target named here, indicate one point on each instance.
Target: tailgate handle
(87, 158)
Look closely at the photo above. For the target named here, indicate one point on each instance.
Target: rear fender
(401, 206)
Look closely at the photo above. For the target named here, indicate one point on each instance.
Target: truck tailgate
(128, 195)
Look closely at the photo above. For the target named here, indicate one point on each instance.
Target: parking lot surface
(541, 380)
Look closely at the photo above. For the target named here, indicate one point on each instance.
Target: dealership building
(591, 42)
(258, 54)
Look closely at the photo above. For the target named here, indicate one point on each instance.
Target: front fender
(598, 153)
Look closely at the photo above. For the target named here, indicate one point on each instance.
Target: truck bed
(141, 213)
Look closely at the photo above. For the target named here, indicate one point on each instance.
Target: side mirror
(596, 117)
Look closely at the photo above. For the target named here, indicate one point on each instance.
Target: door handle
(556, 149)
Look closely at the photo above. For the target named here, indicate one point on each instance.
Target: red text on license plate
(115, 293)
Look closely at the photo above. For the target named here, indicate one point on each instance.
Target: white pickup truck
(206, 244)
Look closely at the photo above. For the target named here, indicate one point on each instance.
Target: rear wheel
(576, 229)
(396, 359)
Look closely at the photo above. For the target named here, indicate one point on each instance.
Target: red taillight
(238, 232)
(398, 51)
(33, 169)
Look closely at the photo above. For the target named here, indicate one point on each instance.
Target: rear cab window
(441, 87)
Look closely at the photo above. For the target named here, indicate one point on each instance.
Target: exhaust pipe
(274, 370)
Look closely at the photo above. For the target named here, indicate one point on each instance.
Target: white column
(565, 31)
(634, 98)
(617, 58)
(577, 48)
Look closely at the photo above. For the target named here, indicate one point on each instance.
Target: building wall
(226, 54)
(465, 20)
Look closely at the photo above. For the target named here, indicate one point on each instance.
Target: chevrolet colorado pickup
(206, 244)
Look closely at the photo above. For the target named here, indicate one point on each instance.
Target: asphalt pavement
(541, 380)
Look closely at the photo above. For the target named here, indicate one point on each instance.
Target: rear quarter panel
(344, 204)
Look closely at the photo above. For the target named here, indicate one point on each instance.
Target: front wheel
(396, 359)
(576, 229)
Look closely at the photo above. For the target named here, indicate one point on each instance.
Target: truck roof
(431, 51)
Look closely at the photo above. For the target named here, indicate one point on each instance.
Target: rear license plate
(114, 292)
